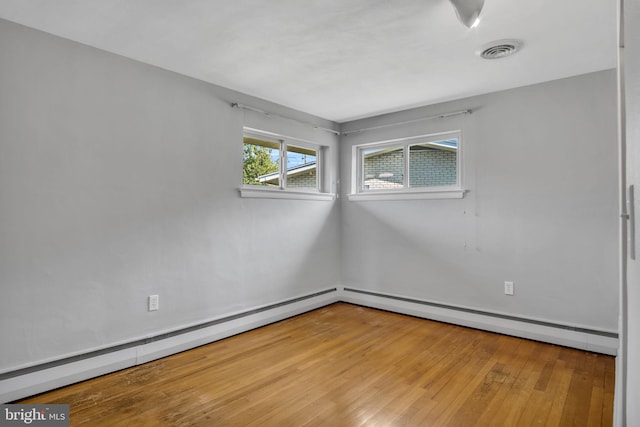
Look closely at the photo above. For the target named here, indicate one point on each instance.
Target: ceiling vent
(500, 49)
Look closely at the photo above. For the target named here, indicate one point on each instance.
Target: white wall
(540, 164)
(119, 180)
(632, 96)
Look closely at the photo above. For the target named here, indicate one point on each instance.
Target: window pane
(302, 165)
(433, 164)
(261, 164)
(383, 168)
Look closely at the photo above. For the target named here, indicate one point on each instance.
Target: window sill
(271, 193)
(408, 195)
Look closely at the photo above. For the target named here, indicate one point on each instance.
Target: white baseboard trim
(605, 342)
(34, 380)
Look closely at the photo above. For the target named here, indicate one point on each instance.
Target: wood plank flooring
(345, 365)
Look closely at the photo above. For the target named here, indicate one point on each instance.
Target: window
(419, 167)
(382, 168)
(261, 162)
(274, 163)
(302, 167)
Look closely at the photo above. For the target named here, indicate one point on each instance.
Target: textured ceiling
(339, 59)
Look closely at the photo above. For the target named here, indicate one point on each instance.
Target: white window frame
(283, 192)
(455, 191)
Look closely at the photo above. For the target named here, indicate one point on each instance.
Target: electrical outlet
(154, 302)
(508, 288)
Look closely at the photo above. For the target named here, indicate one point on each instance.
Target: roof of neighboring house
(292, 171)
(446, 145)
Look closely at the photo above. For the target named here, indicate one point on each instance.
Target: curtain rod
(266, 113)
(439, 116)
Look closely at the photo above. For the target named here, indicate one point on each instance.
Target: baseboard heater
(279, 311)
(569, 335)
(45, 376)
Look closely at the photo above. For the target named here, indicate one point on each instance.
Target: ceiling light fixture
(468, 11)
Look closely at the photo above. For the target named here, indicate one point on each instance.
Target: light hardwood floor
(345, 365)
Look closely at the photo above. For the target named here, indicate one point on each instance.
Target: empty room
(337, 213)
